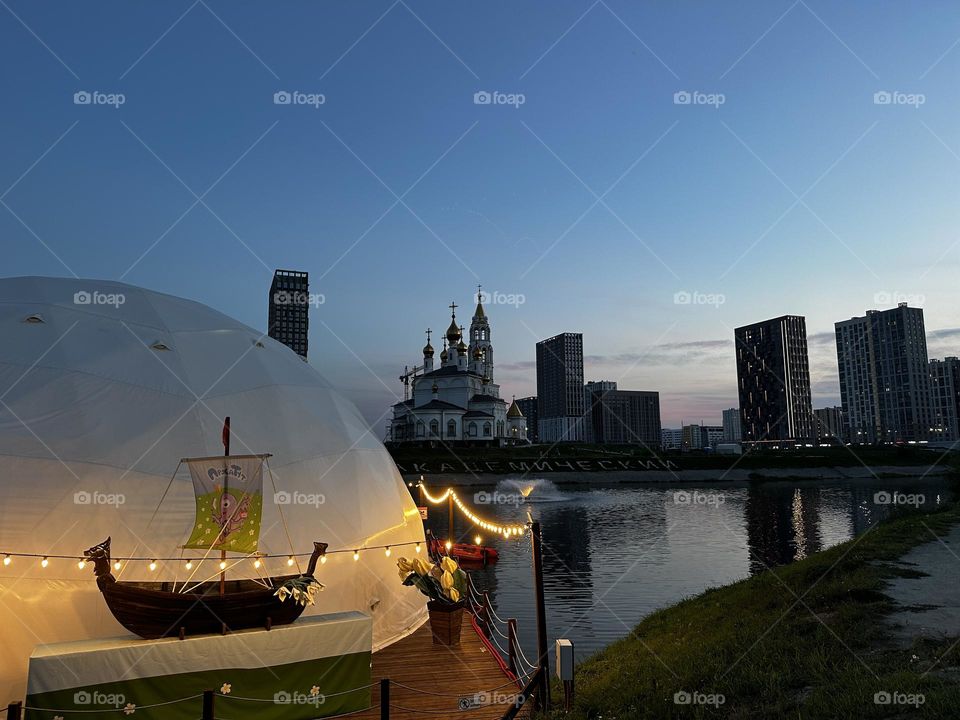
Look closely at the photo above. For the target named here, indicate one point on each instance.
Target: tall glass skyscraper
(560, 401)
(288, 319)
(885, 376)
(773, 381)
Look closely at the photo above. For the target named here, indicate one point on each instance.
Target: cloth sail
(229, 495)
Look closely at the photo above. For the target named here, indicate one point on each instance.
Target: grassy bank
(760, 459)
(805, 640)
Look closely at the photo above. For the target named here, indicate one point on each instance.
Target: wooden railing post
(13, 710)
(385, 699)
(537, 551)
(208, 697)
(488, 621)
(512, 645)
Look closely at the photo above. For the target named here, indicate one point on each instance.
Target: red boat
(465, 552)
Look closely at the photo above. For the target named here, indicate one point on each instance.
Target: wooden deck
(457, 672)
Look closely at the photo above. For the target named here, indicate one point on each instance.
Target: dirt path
(929, 606)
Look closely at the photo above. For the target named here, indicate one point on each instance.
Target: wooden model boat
(229, 502)
(155, 610)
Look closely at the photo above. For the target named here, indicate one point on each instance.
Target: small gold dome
(478, 353)
(428, 350)
(453, 332)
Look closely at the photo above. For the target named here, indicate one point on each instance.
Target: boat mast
(226, 481)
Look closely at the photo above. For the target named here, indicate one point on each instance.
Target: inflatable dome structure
(104, 387)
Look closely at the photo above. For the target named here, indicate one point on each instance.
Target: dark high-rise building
(622, 416)
(289, 305)
(945, 399)
(829, 424)
(885, 376)
(560, 409)
(528, 406)
(773, 380)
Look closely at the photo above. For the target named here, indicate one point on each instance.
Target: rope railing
(489, 624)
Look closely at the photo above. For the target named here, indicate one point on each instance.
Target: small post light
(565, 670)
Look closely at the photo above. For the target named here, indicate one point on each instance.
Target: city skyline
(760, 160)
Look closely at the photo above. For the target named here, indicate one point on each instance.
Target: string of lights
(258, 558)
(506, 530)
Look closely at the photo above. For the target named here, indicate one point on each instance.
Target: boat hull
(157, 613)
(466, 554)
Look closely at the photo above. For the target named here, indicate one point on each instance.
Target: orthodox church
(457, 401)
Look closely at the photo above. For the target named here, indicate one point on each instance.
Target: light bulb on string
(223, 564)
(189, 565)
(290, 561)
(387, 552)
(44, 562)
(256, 563)
(323, 559)
(417, 549)
(153, 565)
(477, 539)
(448, 545)
(356, 555)
(6, 560)
(81, 564)
(116, 564)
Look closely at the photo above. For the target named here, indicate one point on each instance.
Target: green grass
(803, 458)
(823, 658)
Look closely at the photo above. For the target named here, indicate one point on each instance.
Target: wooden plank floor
(455, 672)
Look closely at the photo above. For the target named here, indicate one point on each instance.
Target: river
(614, 554)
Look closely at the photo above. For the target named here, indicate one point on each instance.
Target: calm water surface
(614, 554)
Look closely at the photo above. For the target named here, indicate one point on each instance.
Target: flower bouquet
(446, 585)
(302, 589)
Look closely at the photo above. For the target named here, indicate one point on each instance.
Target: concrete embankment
(481, 478)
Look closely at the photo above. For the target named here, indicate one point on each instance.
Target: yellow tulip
(446, 581)
(421, 567)
(449, 564)
(453, 594)
(405, 565)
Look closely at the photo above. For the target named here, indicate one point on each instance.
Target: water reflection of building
(783, 525)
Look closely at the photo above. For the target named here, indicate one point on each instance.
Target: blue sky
(596, 200)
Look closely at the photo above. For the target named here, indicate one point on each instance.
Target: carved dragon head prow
(100, 555)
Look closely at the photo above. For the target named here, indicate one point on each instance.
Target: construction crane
(405, 378)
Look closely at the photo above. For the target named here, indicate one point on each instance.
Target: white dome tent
(103, 388)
